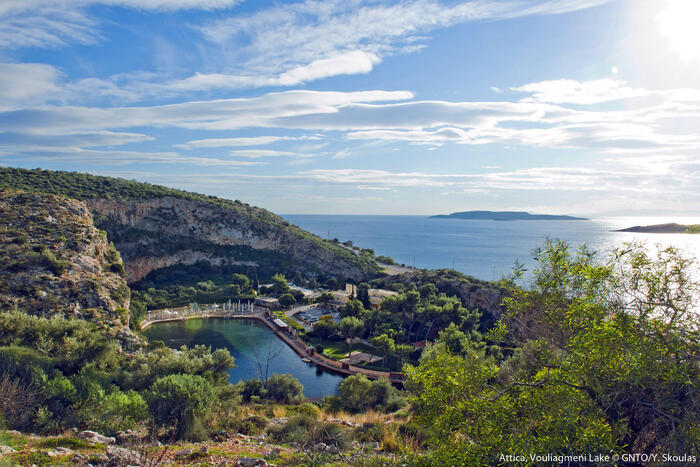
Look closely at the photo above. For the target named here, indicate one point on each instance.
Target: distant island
(664, 228)
(506, 216)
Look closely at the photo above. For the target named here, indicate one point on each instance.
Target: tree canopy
(603, 359)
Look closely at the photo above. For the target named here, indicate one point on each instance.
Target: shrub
(307, 409)
(24, 364)
(357, 393)
(178, 400)
(306, 430)
(253, 388)
(251, 425)
(284, 388)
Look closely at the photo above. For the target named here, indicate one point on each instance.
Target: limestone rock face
(53, 260)
(159, 232)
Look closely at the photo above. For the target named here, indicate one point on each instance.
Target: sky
(588, 107)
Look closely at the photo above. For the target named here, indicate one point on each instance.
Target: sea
(485, 249)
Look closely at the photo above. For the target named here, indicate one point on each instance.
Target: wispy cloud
(57, 23)
(10, 141)
(372, 116)
(239, 141)
(23, 84)
(573, 179)
(260, 153)
(119, 158)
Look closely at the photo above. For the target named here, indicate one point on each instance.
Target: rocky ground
(90, 448)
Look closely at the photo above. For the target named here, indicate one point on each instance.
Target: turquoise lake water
(481, 248)
(244, 339)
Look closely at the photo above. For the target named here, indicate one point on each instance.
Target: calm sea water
(481, 248)
(244, 339)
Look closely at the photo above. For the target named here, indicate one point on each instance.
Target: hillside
(53, 261)
(156, 227)
(663, 228)
(506, 216)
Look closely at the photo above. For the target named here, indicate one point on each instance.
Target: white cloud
(67, 142)
(283, 45)
(222, 114)
(566, 91)
(639, 127)
(51, 27)
(26, 83)
(259, 153)
(15, 6)
(118, 158)
(353, 62)
(291, 43)
(573, 179)
(348, 63)
(236, 142)
(56, 23)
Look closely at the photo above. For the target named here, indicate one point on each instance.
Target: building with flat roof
(267, 302)
(280, 324)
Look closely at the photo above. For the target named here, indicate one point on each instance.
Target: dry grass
(279, 411)
(369, 416)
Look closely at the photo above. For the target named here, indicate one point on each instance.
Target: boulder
(251, 462)
(182, 454)
(122, 456)
(96, 438)
(60, 451)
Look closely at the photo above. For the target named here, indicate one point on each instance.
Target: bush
(305, 430)
(24, 364)
(284, 388)
(253, 388)
(178, 400)
(251, 425)
(307, 409)
(357, 394)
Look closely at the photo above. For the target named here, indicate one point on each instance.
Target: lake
(244, 339)
(482, 248)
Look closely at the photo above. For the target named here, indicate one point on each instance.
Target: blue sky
(364, 107)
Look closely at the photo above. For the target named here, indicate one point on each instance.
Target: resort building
(267, 302)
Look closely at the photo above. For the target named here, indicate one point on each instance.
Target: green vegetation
(601, 358)
(60, 373)
(283, 388)
(357, 393)
(178, 400)
(412, 315)
(453, 284)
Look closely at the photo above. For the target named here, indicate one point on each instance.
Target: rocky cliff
(160, 232)
(154, 227)
(53, 260)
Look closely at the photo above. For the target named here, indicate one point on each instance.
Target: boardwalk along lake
(244, 338)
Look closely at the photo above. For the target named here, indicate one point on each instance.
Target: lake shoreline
(306, 353)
